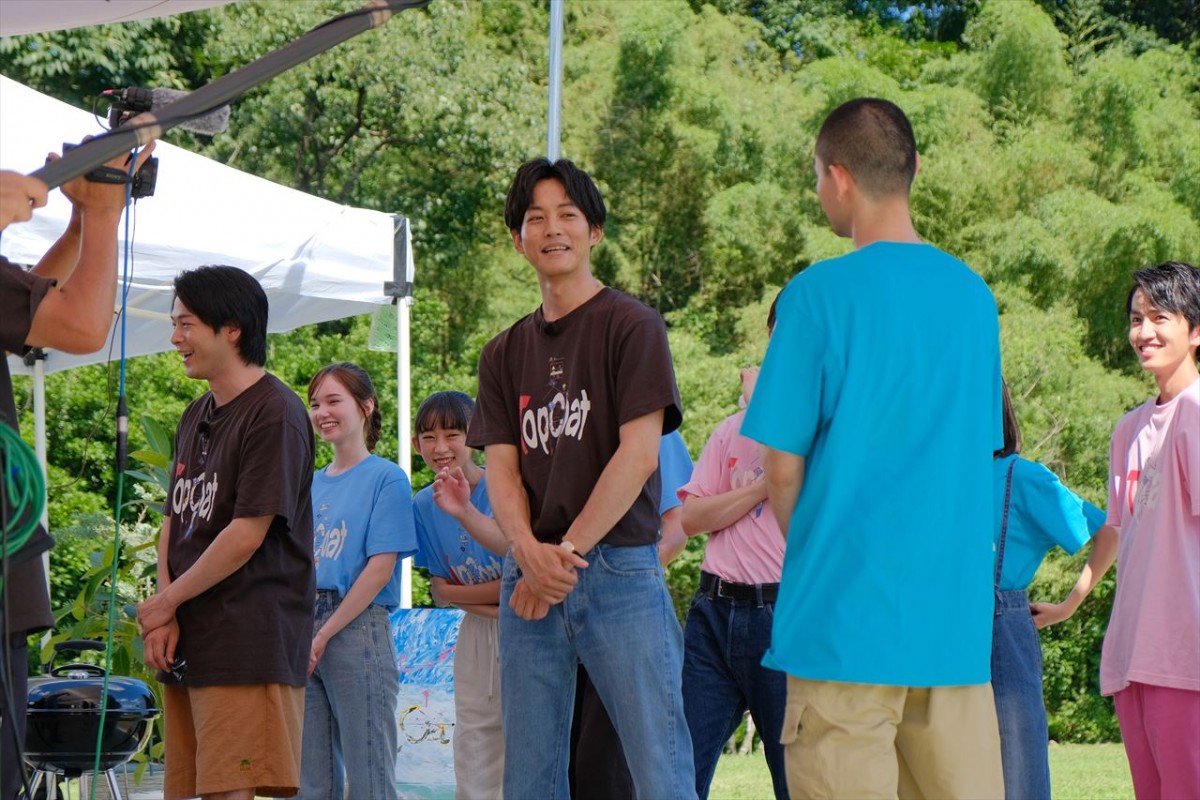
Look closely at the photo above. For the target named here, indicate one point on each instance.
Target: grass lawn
(1077, 772)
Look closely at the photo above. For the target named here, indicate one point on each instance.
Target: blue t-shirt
(1042, 513)
(675, 465)
(365, 511)
(884, 374)
(445, 547)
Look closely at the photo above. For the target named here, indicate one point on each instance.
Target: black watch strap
(108, 175)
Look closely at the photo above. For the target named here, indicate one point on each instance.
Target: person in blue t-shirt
(879, 405)
(1034, 513)
(362, 529)
(463, 549)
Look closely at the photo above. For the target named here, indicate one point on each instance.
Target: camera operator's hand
(75, 317)
(86, 195)
(19, 196)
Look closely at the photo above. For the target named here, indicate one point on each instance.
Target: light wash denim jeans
(350, 711)
(723, 675)
(618, 621)
(1020, 708)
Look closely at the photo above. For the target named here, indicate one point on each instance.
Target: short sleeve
(1118, 487)
(1187, 451)
(675, 463)
(276, 464)
(785, 410)
(21, 293)
(645, 378)
(1061, 516)
(488, 422)
(709, 477)
(392, 528)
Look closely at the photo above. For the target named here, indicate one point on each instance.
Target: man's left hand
(155, 612)
(526, 604)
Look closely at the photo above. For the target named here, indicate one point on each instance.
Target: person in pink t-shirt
(728, 628)
(1151, 658)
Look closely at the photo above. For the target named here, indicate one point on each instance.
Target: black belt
(757, 593)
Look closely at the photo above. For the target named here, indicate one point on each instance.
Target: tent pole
(554, 113)
(400, 289)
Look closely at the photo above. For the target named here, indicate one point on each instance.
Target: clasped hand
(159, 630)
(549, 574)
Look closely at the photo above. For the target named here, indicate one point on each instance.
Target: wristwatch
(568, 546)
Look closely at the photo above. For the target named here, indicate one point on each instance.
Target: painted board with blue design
(425, 641)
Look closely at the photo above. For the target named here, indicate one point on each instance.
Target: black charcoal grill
(64, 717)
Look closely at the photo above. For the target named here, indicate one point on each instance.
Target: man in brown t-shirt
(64, 303)
(573, 400)
(230, 628)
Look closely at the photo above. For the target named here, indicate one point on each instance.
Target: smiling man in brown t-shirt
(573, 400)
(231, 626)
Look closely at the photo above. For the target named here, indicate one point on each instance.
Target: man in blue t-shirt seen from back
(879, 405)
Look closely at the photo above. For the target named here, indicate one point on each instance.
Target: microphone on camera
(130, 102)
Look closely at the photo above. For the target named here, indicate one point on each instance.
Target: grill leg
(35, 781)
(113, 787)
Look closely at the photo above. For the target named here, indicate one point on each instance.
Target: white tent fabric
(39, 16)
(316, 259)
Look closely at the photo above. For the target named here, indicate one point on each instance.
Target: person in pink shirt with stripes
(728, 628)
(1151, 658)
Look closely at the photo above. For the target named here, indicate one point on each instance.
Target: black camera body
(143, 181)
(124, 105)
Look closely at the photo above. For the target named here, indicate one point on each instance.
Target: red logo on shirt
(1131, 486)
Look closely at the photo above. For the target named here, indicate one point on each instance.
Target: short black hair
(1171, 286)
(578, 184)
(222, 295)
(873, 140)
(447, 410)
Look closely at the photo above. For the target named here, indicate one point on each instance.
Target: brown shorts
(224, 738)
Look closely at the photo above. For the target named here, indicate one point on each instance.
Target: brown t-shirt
(252, 457)
(20, 295)
(560, 391)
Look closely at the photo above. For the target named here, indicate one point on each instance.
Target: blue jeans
(350, 710)
(618, 622)
(723, 675)
(1020, 708)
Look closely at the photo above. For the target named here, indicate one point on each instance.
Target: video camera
(143, 181)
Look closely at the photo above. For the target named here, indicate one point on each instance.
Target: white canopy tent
(317, 260)
(40, 16)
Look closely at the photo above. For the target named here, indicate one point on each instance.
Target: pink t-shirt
(751, 549)
(1154, 501)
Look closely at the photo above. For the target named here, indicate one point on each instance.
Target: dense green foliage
(1060, 146)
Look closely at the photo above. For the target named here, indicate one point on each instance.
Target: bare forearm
(76, 317)
(717, 512)
(484, 529)
(1101, 557)
(510, 504)
(60, 260)
(228, 553)
(487, 593)
(673, 540)
(620, 482)
(784, 479)
(366, 587)
(164, 547)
